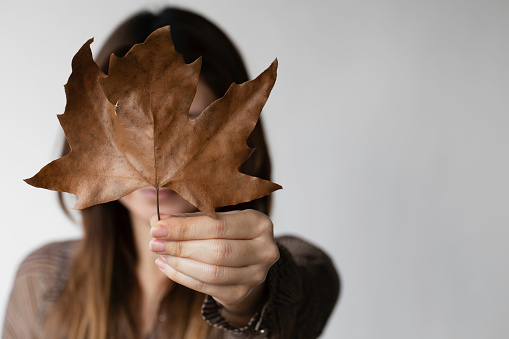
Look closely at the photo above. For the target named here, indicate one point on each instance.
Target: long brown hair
(94, 303)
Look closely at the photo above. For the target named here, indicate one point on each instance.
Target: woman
(229, 271)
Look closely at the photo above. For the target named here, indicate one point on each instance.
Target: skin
(227, 258)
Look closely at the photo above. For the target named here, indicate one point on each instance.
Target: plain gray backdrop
(388, 128)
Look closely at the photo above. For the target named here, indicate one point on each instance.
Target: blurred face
(142, 203)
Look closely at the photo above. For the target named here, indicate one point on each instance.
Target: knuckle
(273, 255)
(178, 228)
(259, 277)
(263, 223)
(222, 250)
(250, 212)
(266, 225)
(214, 274)
(270, 255)
(175, 264)
(178, 249)
(255, 215)
(219, 228)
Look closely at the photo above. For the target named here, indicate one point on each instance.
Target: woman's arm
(228, 258)
(303, 289)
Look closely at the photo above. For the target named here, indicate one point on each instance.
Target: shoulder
(47, 256)
(303, 252)
(38, 282)
(300, 258)
(48, 261)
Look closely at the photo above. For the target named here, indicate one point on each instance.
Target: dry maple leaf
(131, 129)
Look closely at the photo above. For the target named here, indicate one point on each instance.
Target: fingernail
(159, 232)
(157, 246)
(160, 263)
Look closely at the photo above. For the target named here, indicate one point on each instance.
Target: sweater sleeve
(303, 289)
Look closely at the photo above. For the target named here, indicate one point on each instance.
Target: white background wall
(389, 130)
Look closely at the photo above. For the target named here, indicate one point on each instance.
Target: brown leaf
(131, 129)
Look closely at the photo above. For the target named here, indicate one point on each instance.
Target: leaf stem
(157, 199)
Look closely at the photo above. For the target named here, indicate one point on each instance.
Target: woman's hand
(226, 258)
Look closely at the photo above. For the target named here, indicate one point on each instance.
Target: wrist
(240, 314)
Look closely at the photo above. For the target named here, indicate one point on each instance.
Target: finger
(236, 225)
(233, 253)
(154, 219)
(217, 275)
(229, 294)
